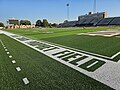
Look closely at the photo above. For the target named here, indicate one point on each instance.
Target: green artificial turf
(106, 46)
(38, 33)
(43, 72)
(67, 37)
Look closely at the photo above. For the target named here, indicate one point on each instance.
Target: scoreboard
(13, 21)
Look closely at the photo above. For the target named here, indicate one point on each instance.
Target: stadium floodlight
(94, 7)
(68, 11)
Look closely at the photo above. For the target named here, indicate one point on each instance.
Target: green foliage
(54, 25)
(25, 22)
(45, 23)
(65, 21)
(1, 24)
(38, 23)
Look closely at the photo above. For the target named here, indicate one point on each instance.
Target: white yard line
(67, 55)
(92, 64)
(115, 55)
(8, 52)
(77, 57)
(10, 56)
(2, 43)
(26, 81)
(36, 46)
(48, 48)
(29, 40)
(18, 69)
(84, 61)
(13, 61)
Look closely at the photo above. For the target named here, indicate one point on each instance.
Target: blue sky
(54, 10)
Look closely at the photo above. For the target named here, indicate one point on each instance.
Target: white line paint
(36, 46)
(13, 61)
(25, 80)
(67, 55)
(8, 52)
(115, 55)
(84, 60)
(92, 64)
(2, 43)
(10, 56)
(71, 59)
(29, 40)
(67, 52)
(78, 50)
(18, 69)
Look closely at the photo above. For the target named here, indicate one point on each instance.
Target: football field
(59, 59)
(42, 72)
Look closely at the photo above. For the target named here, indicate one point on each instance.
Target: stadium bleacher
(69, 24)
(95, 19)
(80, 23)
(104, 21)
(115, 21)
(87, 22)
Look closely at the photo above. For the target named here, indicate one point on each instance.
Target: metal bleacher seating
(115, 21)
(95, 21)
(80, 23)
(69, 24)
(87, 22)
(104, 21)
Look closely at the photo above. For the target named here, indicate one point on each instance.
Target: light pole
(94, 7)
(68, 11)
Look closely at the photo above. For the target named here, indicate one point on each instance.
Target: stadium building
(95, 19)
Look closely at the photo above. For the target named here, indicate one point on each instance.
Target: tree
(65, 21)
(25, 22)
(1, 24)
(45, 23)
(54, 25)
(38, 23)
(50, 25)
